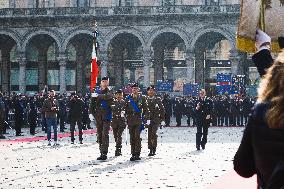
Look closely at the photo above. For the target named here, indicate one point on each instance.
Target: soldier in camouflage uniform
(136, 107)
(157, 118)
(100, 108)
(118, 121)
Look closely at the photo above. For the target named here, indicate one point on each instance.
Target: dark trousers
(103, 126)
(135, 140)
(72, 128)
(32, 125)
(188, 119)
(202, 131)
(167, 119)
(18, 125)
(178, 119)
(152, 135)
(2, 125)
(118, 127)
(62, 122)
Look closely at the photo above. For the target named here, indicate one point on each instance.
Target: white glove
(95, 95)
(122, 113)
(260, 38)
(91, 117)
(148, 122)
(162, 123)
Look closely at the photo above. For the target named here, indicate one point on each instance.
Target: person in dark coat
(178, 110)
(76, 106)
(203, 117)
(2, 116)
(19, 114)
(62, 112)
(260, 149)
(32, 115)
(167, 102)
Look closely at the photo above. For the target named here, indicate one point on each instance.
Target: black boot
(151, 153)
(154, 151)
(137, 157)
(103, 156)
(132, 157)
(118, 152)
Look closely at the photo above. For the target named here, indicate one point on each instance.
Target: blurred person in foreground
(261, 149)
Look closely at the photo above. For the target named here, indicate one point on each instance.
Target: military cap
(134, 85)
(105, 78)
(281, 42)
(119, 91)
(151, 87)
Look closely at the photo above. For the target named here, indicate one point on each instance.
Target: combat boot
(151, 153)
(103, 156)
(154, 151)
(132, 157)
(137, 157)
(118, 152)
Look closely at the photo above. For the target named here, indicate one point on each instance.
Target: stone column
(22, 72)
(42, 69)
(103, 59)
(5, 64)
(62, 63)
(190, 61)
(199, 66)
(235, 62)
(147, 64)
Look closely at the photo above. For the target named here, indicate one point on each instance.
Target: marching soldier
(100, 108)
(157, 118)
(118, 121)
(203, 115)
(137, 112)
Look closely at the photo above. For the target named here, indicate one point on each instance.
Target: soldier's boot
(151, 152)
(132, 157)
(103, 156)
(118, 152)
(137, 157)
(154, 151)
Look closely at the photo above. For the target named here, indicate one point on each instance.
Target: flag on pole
(266, 15)
(94, 64)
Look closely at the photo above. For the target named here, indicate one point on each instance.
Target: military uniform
(118, 123)
(167, 102)
(100, 108)
(202, 123)
(134, 122)
(76, 106)
(157, 115)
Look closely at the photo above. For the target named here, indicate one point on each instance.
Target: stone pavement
(176, 165)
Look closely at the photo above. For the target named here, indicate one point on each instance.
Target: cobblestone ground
(176, 165)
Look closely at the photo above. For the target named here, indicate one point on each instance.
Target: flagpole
(262, 16)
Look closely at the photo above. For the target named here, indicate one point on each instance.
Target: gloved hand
(91, 117)
(122, 114)
(162, 123)
(148, 122)
(261, 38)
(95, 95)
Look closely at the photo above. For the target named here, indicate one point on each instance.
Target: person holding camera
(51, 108)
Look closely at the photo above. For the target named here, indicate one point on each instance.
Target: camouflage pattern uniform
(157, 115)
(102, 122)
(118, 124)
(134, 123)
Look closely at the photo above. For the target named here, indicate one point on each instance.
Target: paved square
(176, 165)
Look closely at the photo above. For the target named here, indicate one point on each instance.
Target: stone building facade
(50, 42)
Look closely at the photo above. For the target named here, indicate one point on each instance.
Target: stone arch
(167, 29)
(69, 35)
(14, 35)
(52, 33)
(128, 30)
(230, 35)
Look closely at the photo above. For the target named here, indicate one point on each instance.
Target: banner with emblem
(264, 14)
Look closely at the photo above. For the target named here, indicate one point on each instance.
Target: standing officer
(178, 110)
(62, 112)
(118, 121)
(136, 113)
(157, 118)
(76, 114)
(32, 114)
(100, 108)
(167, 102)
(203, 115)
